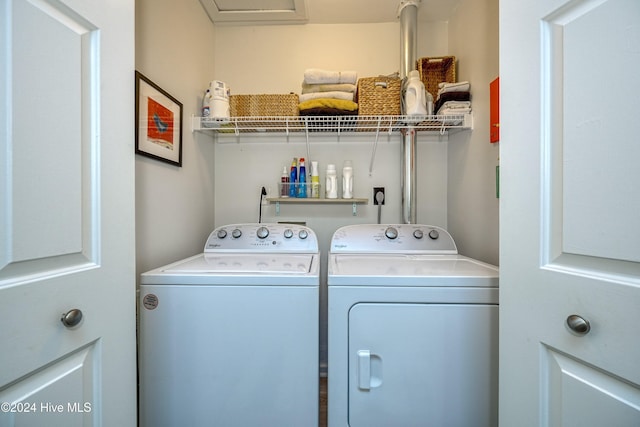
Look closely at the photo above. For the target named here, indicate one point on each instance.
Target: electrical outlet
(378, 195)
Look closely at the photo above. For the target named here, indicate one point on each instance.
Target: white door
(570, 213)
(66, 213)
(423, 365)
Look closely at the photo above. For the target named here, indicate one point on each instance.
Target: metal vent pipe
(408, 12)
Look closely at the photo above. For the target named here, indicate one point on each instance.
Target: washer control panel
(393, 238)
(262, 238)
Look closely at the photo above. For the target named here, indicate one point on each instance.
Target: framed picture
(158, 122)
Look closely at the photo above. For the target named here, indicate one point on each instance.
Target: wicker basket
(379, 96)
(436, 70)
(263, 105)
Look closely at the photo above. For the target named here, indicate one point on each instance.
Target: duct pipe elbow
(406, 3)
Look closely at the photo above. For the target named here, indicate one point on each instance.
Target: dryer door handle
(364, 369)
(369, 370)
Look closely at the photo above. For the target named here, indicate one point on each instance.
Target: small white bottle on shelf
(347, 180)
(331, 183)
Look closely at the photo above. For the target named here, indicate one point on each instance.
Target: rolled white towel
(318, 76)
(347, 96)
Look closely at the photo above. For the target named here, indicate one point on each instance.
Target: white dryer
(229, 337)
(413, 330)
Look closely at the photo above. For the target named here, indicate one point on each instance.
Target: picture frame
(158, 122)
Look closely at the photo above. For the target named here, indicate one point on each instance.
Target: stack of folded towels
(328, 93)
(453, 98)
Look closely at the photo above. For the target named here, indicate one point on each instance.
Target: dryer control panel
(393, 238)
(262, 238)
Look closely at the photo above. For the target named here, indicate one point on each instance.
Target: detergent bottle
(315, 181)
(347, 180)
(415, 98)
(331, 182)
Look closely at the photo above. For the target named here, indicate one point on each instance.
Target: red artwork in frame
(158, 122)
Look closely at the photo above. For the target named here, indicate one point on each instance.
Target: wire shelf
(339, 124)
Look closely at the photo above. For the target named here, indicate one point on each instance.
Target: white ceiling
(232, 12)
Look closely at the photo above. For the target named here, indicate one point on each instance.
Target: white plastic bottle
(347, 180)
(315, 180)
(331, 183)
(219, 101)
(415, 98)
(206, 99)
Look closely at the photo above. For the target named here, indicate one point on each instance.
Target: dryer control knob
(288, 233)
(391, 233)
(434, 234)
(303, 234)
(262, 232)
(418, 234)
(236, 233)
(222, 234)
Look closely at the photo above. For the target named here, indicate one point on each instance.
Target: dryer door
(423, 364)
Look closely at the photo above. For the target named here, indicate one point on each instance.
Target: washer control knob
(303, 234)
(288, 233)
(434, 234)
(222, 233)
(262, 232)
(236, 233)
(418, 234)
(391, 233)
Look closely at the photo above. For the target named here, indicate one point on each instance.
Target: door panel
(578, 394)
(591, 169)
(50, 179)
(569, 228)
(61, 394)
(423, 364)
(66, 212)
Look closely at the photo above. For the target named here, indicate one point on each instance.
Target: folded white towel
(456, 104)
(331, 87)
(453, 87)
(444, 111)
(318, 76)
(334, 95)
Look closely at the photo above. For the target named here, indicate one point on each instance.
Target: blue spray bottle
(293, 178)
(302, 180)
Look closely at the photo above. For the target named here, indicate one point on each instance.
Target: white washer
(229, 337)
(413, 330)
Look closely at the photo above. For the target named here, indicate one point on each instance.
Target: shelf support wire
(306, 132)
(375, 145)
(287, 128)
(442, 127)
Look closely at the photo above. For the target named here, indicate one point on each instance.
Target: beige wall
(174, 206)
(472, 203)
(272, 59)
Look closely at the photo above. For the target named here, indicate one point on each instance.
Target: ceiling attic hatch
(254, 12)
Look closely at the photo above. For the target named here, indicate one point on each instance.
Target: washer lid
(243, 264)
(390, 268)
